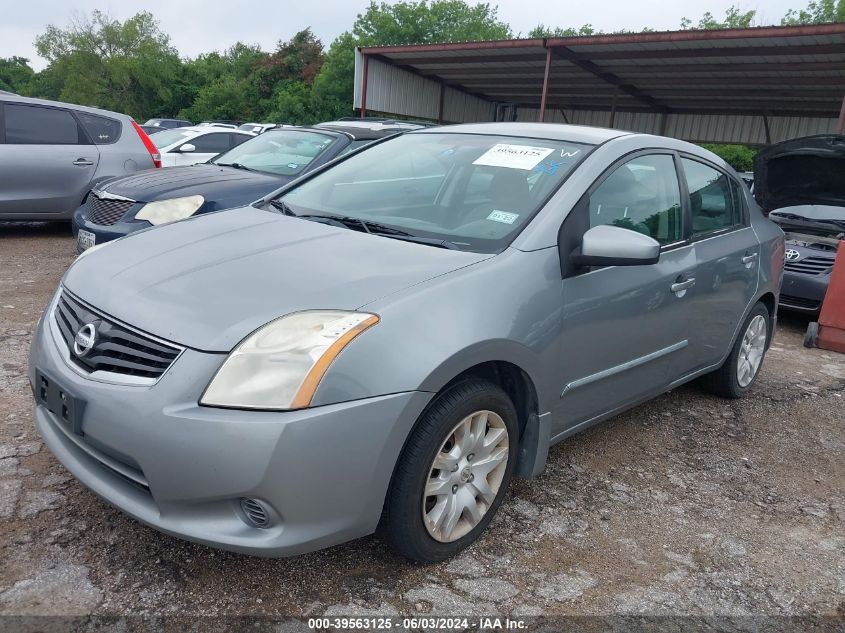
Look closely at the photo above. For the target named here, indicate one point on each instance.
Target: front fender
(506, 308)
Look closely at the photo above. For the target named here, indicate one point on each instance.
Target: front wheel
(740, 370)
(453, 473)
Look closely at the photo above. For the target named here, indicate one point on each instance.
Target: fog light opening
(255, 513)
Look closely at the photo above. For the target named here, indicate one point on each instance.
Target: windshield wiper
(236, 166)
(375, 228)
(805, 219)
(283, 207)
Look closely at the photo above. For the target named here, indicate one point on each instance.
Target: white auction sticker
(513, 156)
(503, 216)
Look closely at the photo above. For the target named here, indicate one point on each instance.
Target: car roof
(363, 132)
(549, 131)
(12, 98)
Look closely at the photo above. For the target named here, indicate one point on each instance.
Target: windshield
(475, 191)
(165, 138)
(282, 152)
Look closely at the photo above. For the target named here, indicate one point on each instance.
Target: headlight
(280, 365)
(165, 211)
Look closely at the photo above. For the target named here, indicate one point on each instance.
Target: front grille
(800, 302)
(810, 266)
(106, 211)
(116, 348)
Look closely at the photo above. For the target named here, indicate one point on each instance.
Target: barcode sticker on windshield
(503, 216)
(512, 156)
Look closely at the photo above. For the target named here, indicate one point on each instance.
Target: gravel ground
(687, 505)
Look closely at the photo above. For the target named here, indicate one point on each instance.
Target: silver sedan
(391, 339)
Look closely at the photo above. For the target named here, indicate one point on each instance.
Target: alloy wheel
(465, 476)
(752, 350)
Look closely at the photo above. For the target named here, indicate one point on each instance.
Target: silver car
(52, 154)
(387, 341)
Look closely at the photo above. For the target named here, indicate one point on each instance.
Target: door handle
(749, 258)
(83, 162)
(680, 287)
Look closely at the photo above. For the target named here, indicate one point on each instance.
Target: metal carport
(753, 85)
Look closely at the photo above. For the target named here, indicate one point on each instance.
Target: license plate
(59, 401)
(85, 239)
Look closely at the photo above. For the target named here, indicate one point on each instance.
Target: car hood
(801, 171)
(208, 281)
(205, 179)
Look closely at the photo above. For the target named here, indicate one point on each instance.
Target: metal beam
(766, 126)
(545, 84)
(840, 124)
(610, 78)
(719, 51)
(364, 86)
(441, 102)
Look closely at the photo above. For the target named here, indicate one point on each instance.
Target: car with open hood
(389, 340)
(236, 177)
(801, 185)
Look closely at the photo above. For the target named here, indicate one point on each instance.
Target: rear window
(101, 129)
(37, 125)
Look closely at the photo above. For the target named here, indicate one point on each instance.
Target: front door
(625, 328)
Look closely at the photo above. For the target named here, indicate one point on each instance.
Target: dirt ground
(686, 505)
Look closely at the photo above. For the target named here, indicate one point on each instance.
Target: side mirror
(614, 246)
(188, 147)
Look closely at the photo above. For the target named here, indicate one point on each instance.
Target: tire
(408, 523)
(728, 381)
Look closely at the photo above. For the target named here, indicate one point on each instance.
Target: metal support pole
(664, 119)
(768, 131)
(613, 107)
(840, 125)
(364, 88)
(545, 84)
(440, 106)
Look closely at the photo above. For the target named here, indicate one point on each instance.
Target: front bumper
(106, 233)
(157, 455)
(802, 292)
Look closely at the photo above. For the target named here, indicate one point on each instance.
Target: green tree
(739, 157)
(817, 12)
(420, 22)
(541, 30)
(128, 66)
(16, 75)
(734, 19)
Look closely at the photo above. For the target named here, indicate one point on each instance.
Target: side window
(102, 130)
(739, 202)
(211, 143)
(642, 195)
(237, 139)
(35, 125)
(711, 203)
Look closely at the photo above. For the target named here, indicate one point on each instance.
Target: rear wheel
(453, 473)
(740, 370)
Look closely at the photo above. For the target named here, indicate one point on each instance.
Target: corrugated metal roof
(781, 71)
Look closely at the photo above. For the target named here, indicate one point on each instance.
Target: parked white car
(192, 145)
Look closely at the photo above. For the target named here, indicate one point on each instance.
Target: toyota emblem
(792, 254)
(83, 342)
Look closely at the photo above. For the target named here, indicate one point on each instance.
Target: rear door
(47, 161)
(727, 253)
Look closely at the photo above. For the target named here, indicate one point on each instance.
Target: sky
(200, 26)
